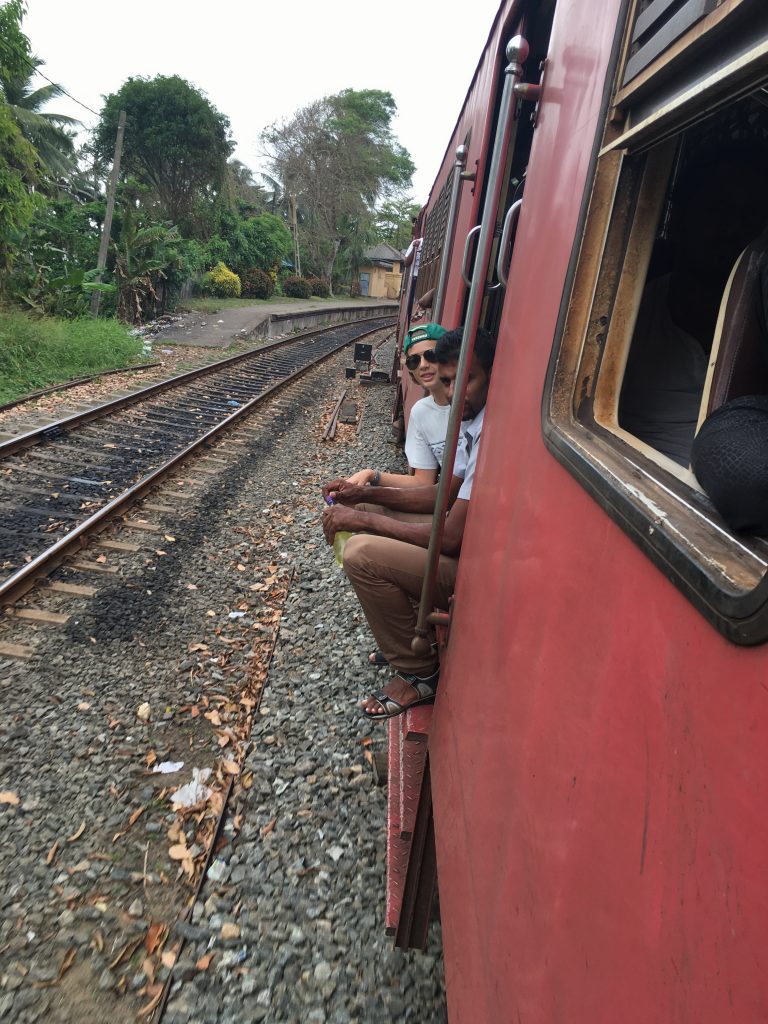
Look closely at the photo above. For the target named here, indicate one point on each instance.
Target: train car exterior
(597, 747)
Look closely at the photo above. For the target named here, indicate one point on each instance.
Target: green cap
(426, 332)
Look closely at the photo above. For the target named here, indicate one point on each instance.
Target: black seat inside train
(741, 366)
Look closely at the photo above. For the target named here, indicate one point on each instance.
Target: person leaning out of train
(425, 437)
(386, 559)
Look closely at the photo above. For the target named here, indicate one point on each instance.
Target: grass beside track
(38, 352)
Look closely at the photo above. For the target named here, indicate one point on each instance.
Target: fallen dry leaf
(148, 968)
(154, 938)
(76, 835)
(197, 647)
(101, 558)
(52, 853)
(136, 815)
(169, 538)
(178, 852)
(7, 797)
(191, 586)
(168, 959)
(156, 991)
(67, 961)
(126, 952)
(269, 827)
(205, 961)
(213, 717)
(231, 767)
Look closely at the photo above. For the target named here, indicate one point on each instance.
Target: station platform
(266, 320)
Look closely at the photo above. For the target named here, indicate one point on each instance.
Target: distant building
(381, 272)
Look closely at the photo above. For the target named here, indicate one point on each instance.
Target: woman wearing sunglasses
(428, 422)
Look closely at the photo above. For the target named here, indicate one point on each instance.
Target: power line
(36, 68)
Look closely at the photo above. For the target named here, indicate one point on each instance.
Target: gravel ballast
(288, 926)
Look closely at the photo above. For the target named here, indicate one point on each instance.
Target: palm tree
(49, 133)
(284, 202)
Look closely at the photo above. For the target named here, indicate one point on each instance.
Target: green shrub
(319, 287)
(222, 283)
(38, 351)
(256, 284)
(297, 287)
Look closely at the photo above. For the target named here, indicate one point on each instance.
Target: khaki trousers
(387, 576)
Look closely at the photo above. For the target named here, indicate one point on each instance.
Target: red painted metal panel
(397, 850)
(413, 755)
(597, 749)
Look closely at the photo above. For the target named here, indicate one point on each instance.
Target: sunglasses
(413, 362)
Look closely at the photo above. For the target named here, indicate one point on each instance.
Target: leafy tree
(394, 221)
(49, 133)
(59, 247)
(143, 256)
(17, 205)
(242, 191)
(15, 52)
(260, 242)
(339, 156)
(176, 142)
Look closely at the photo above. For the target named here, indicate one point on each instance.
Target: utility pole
(106, 228)
(295, 233)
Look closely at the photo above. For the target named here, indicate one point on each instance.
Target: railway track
(65, 481)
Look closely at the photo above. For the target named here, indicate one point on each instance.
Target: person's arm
(426, 300)
(419, 478)
(399, 499)
(339, 518)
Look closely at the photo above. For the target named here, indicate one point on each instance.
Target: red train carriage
(597, 751)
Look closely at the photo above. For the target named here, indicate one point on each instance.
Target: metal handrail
(465, 259)
(517, 51)
(510, 222)
(453, 209)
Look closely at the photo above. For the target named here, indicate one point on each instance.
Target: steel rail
(517, 51)
(21, 581)
(39, 434)
(31, 396)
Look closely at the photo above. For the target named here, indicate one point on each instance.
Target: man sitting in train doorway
(386, 559)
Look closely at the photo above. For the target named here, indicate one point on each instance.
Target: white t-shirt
(466, 453)
(425, 440)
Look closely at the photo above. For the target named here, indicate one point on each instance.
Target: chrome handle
(517, 52)
(465, 260)
(510, 223)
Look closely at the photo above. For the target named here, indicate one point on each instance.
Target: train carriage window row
(666, 322)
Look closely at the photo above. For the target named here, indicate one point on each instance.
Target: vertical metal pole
(106, 228)
(461, 159)
(517, 51)
(295, 233)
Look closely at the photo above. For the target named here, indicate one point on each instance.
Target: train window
(662, 325)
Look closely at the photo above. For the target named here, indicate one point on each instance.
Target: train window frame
(657, 502)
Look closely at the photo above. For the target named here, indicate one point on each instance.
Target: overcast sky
(258, 62)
